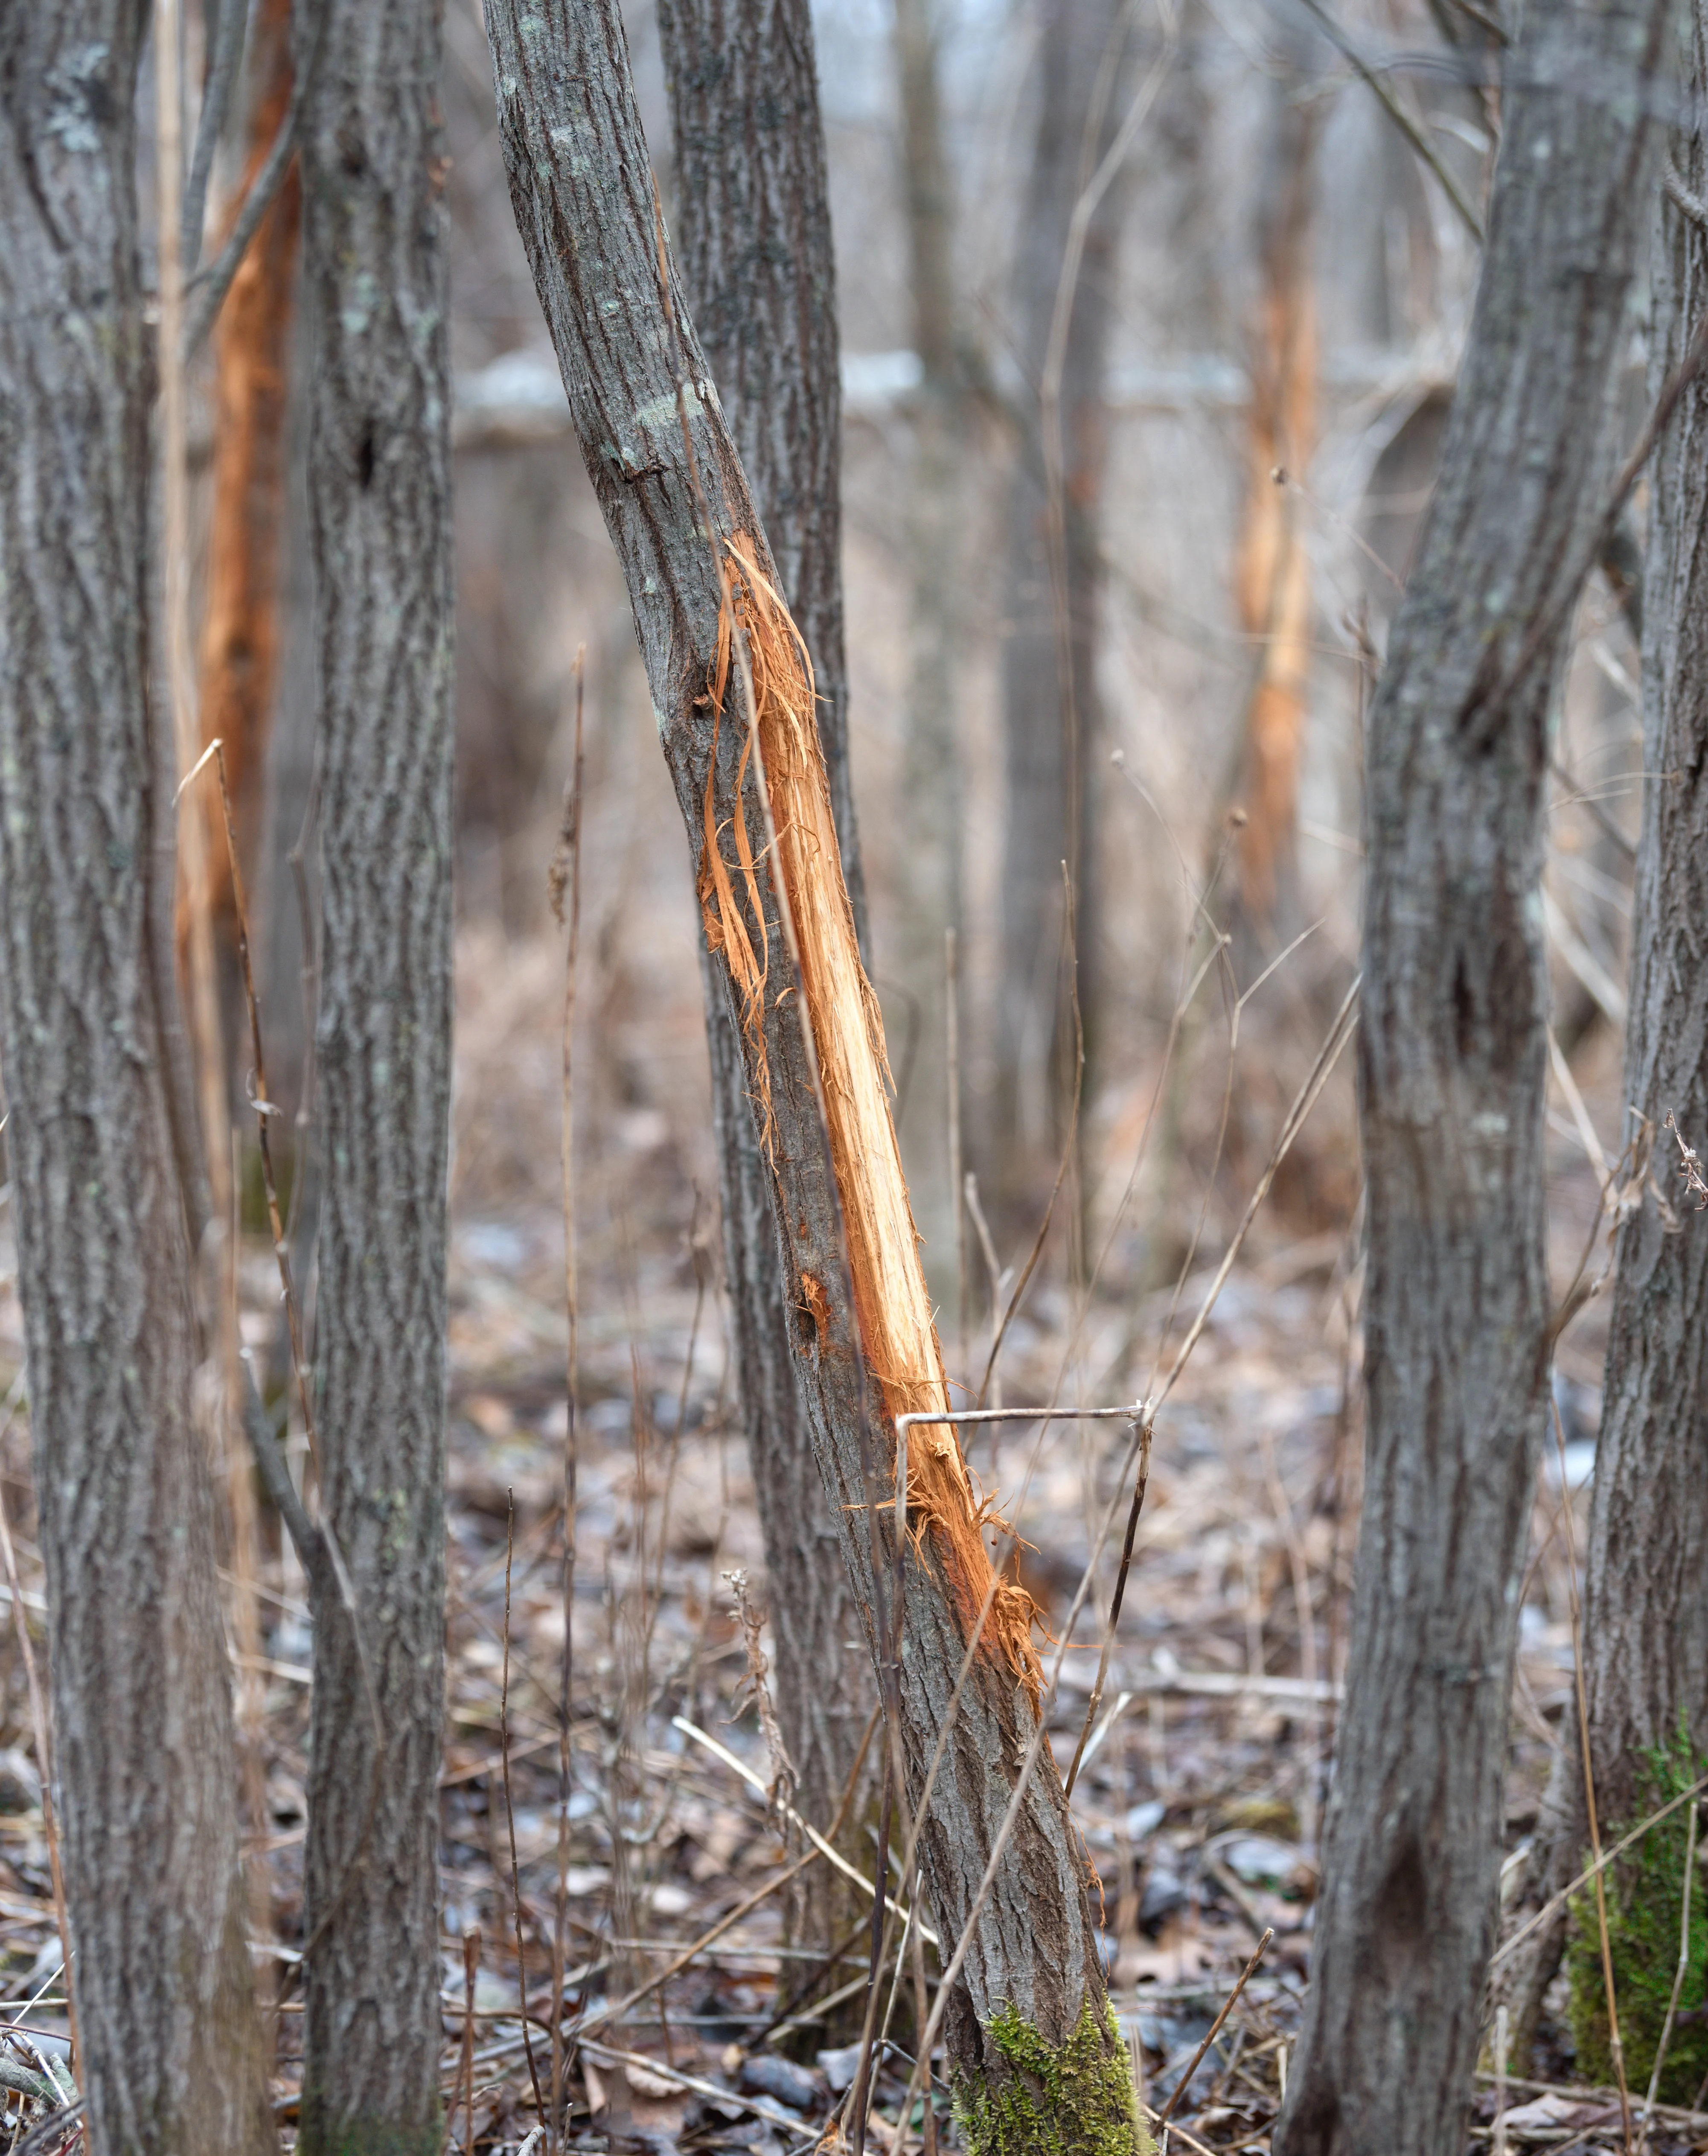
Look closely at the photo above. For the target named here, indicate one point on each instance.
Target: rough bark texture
(239, 659)
(373, 166)
(583, 195)
(1049, 662)
(1452, 1055)
(754, 230)
(1645, 1624)
(171, 2058)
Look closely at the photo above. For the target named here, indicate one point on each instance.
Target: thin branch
(1402, 120)
(1246, 1974)
(230, 21)
(215, 281)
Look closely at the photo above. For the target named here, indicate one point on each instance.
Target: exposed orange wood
(896, 1326)
(239, 654)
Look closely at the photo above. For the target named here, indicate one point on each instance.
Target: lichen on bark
(1071, 2099)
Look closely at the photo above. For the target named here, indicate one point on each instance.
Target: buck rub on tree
(1453, 1053)
(373, 166)
(1034, 2054)
(171, 2062)
(757, 261)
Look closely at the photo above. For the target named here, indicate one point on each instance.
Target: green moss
(1074, 2099)
(1645, 1894)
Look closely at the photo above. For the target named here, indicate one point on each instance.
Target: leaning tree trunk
(677, 505)
(1452, 1056)
(375, 255)
(1645, 1624)
(172, 2060)
(760, 274)
(1050, 654)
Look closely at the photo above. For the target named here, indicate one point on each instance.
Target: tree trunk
(1452, 1057)
(1049, 655)
(172, 2060)
(638, 384)
(930, 808)
(373, 170)
(1645, 1629)
(1273, 580)
(760, 274)
(240, 642)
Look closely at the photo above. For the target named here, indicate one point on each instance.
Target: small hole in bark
(366, 457)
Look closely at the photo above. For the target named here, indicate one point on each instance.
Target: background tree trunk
(927, 863)
(754, 226)
(1273, 571)
(240, 641)
(171, 2062)
(1452, 1056)
(1645, 1626)
(636, 381)
(1049, 664)
(373, 168)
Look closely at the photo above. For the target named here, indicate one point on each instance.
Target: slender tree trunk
(930, 806)
(171, 2061)
(1274, 579)
(760, 275)
(240, 642)
(638, 384)
(1645, 1626)
(1452, 1056)
(373, 170)
(1050, 656)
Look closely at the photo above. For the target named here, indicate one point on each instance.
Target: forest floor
(1200, 1804)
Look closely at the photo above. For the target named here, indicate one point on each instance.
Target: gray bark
(171, 2059)
(582, 191)
(1050, 653)
(757, 264)
(1645, 1626)
(375, 257)
(1452, 1057)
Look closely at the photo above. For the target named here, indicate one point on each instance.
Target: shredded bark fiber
(890, 1300)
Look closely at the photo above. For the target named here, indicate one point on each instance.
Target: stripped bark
(239, 656)
(171, 2058)
(1274, 579)
(637, 384)
(1645, 1626)
(375, 252)
(757, 266)
(1452, 1059)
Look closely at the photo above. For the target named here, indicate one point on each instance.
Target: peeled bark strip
(171, 2061)
(757, 264)
(375, 251)
(583, 194)
(239, 655)
(1452, 1058)
(1645, 1622)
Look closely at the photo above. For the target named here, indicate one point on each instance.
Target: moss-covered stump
(1073, 2099)
(1645, 1907)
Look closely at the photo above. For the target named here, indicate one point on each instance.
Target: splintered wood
(891, 1299)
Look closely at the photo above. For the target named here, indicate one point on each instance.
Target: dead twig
(1228, 2006)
